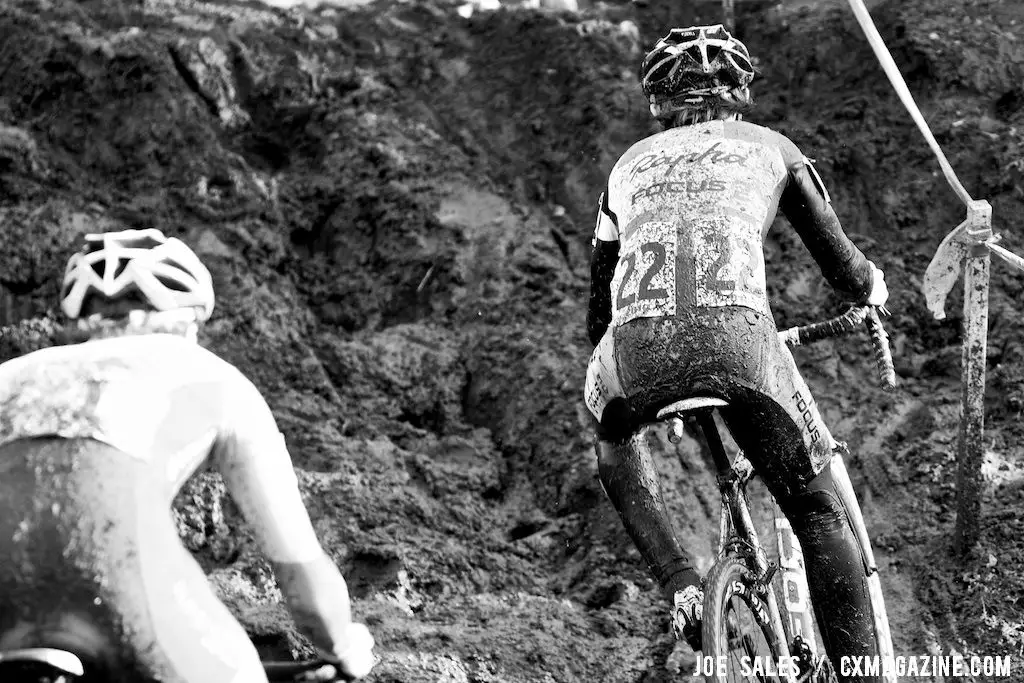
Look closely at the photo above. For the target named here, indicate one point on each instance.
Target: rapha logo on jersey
(688, 186)
(712, 155)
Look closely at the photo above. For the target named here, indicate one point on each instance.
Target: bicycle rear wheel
(740, 643)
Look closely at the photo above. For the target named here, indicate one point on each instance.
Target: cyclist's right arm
(807, 205)
(603, 259)
(252, 457)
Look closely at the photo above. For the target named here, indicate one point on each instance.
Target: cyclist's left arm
(251, 455)
(253, 459)
(603, 259)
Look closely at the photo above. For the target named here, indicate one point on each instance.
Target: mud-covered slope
(396, 204)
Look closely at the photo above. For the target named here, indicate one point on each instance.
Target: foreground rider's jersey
(686, 212)
(166, 402)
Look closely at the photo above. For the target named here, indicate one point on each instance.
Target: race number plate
(729, 264)
(644, 285)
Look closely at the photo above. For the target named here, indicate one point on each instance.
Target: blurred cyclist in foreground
(97, 438)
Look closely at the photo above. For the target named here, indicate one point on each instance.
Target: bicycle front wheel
(740, 643)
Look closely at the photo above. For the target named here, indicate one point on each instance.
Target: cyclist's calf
(835, 565)
(630, 479)
(816, 509)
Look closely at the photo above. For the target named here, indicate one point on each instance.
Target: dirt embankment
(396, 203)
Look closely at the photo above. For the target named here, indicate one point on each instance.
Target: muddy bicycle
(54, 665)
(741, 605)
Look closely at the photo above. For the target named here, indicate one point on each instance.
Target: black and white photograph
(512, 341)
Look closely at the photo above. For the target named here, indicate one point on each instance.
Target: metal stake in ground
(965, 247)
(971, 241)
(969, 245)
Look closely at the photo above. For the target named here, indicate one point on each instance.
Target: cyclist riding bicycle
(678, 307)
(97, 438)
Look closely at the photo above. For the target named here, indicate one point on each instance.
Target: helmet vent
(170, 282)
(121, 265)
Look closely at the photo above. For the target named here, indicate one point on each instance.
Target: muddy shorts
(732, 353)
(92, 563)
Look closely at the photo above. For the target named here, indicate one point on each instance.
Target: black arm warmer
(603, 259)
(841, 262)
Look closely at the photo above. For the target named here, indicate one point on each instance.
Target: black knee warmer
(836, 570)
(631, 482)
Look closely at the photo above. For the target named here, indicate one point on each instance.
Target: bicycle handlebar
(844, 324)
(292, 671)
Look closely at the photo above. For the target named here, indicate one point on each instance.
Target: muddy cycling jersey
(168, 403)
(683, 218)
(96, 439)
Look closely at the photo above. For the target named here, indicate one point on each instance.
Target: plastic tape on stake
(893, 72)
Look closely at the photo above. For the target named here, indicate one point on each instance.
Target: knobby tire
(719, 589)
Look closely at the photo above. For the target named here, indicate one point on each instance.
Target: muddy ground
(396, 203)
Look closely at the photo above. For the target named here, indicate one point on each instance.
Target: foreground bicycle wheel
(740, 643)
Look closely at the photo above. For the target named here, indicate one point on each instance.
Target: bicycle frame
(736, 527)
(795, 591)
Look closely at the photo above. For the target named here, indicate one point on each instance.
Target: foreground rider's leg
(834, 563)
(629, 476)
(631, 481)
(778, 426)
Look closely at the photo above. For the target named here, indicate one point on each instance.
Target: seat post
(706, 420)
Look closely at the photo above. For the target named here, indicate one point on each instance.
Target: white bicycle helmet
(163, 270)
(697, 61)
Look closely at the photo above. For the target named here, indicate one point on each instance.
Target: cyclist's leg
(98, 543)
(629, 475)
(774, 419)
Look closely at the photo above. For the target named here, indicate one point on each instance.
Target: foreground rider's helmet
(694, 62)
(164, 271)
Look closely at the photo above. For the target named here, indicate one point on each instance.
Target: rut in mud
(396, 203)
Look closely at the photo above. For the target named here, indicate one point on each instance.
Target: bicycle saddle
(61, 660)
(689, 405)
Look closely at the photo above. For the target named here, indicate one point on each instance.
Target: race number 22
(645, 279)
(644, 291)
(729, 267)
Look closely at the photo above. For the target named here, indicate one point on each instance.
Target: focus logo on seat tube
(804, 408)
